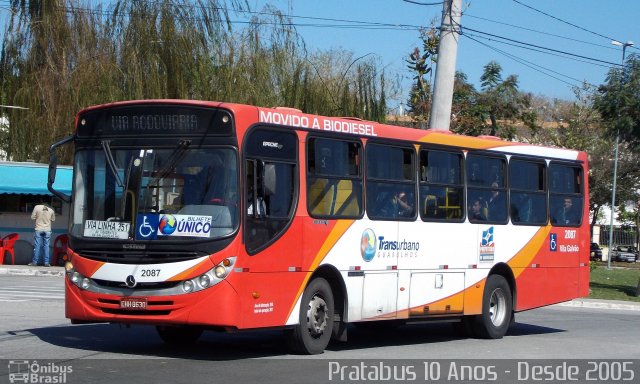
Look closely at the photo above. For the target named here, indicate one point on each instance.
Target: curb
(602, 304)
(24, 270)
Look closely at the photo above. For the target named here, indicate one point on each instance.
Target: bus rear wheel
(497, 309)
(179, 335)
(313, 332)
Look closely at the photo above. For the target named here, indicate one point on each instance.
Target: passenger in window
(477, 210)
(398, 206)
(567, 214)
(495, 204)
(405, 206)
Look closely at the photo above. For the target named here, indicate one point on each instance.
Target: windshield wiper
(173, 159)
(112, 164)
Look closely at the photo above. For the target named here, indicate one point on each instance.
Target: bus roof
(247, 115)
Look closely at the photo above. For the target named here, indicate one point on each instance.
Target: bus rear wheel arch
(313, 332)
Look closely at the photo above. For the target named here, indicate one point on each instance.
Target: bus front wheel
(313, 332)
(179, 336)
(497, 309)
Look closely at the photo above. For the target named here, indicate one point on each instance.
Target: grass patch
(614, 284)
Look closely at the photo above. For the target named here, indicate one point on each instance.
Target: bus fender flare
(505, 271)
(341, 301)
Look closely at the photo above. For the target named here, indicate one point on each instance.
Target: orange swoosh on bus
(525, 256)
(463, 141)
(87, 267)
(336, 233)
(190, 272)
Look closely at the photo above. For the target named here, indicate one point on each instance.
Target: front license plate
(133, 303)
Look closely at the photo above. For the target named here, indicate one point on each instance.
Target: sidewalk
(25, 270)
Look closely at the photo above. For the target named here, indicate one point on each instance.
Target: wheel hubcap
(498, 307)
(317, 316)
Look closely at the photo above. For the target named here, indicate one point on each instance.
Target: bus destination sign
(154, 123)
(155, 120)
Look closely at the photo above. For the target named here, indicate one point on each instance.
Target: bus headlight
(187, 286)
(205, 281)
(211, 277)
(76, 278)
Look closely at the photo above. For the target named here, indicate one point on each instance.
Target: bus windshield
(179, 193)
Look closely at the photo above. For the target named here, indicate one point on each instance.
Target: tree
(501, 102)
(618, 101)
(421, 64)
(466, 113)
(579, 126)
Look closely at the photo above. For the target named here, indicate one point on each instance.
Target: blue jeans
(42, 239)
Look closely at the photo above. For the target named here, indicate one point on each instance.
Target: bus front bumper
(216, 306)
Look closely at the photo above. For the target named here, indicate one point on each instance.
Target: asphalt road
(33, 327)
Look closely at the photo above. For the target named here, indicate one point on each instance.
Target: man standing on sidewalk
(43, 215)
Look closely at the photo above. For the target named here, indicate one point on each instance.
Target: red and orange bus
(194, 215)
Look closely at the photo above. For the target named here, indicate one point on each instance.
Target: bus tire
(313, 332)
(497, 309)
(179, 335)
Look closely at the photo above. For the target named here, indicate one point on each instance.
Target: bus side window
(441, 187)
(391, 182)
(566, 194)
(486, 188)
(334, 178)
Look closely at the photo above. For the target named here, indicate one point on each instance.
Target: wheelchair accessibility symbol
(553, 242)
(146, 226)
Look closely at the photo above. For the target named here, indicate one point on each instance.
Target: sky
(596, 22)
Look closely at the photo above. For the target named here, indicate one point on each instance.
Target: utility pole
(615, 162)
(446, 66)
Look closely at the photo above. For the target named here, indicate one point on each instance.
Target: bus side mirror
(53, 164)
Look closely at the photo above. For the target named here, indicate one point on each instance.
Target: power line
(421, 3)
(260, 13)
(540, 32)
(356, 24)
(545, 48)
(564, 21)
(529, 64)
(538, 50)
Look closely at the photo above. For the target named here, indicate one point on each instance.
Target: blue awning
(31, 178)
